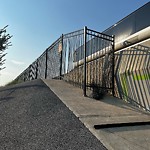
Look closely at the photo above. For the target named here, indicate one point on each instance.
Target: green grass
(141, 77)
(13, 82)
(124, 84)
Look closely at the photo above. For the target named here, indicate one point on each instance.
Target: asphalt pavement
(32, 117)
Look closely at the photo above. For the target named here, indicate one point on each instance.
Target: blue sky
(35, 24)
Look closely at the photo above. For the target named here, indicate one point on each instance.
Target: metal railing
(84, 58)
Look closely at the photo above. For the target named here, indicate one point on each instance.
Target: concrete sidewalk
(105, 113)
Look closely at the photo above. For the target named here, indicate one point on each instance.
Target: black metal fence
(84, 58)
(99, 62)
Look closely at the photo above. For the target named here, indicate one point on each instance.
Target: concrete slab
(109, 110)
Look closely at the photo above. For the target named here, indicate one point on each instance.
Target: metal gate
(98, 63)
(88, 61)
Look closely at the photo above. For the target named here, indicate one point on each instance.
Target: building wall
(131, 24)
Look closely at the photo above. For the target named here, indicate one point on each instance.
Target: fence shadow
(132, 76)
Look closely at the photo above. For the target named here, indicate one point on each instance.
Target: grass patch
(13, 82)
(141, 77)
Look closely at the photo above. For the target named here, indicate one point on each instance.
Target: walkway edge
(92, 112)
(92, 130)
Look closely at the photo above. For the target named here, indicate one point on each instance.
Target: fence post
(61, 52)
(36, 74)
(113, 66)
(29, 76)
(84, 81)
(46, 63)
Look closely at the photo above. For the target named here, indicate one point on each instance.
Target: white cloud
(17, 62)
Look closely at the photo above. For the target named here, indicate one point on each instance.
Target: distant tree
(4, 44)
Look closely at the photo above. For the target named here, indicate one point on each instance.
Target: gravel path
(33, 118)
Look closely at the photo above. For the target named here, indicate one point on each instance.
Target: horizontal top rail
(100, 35)
(54, 43)
(50, 47)
(75, 33)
